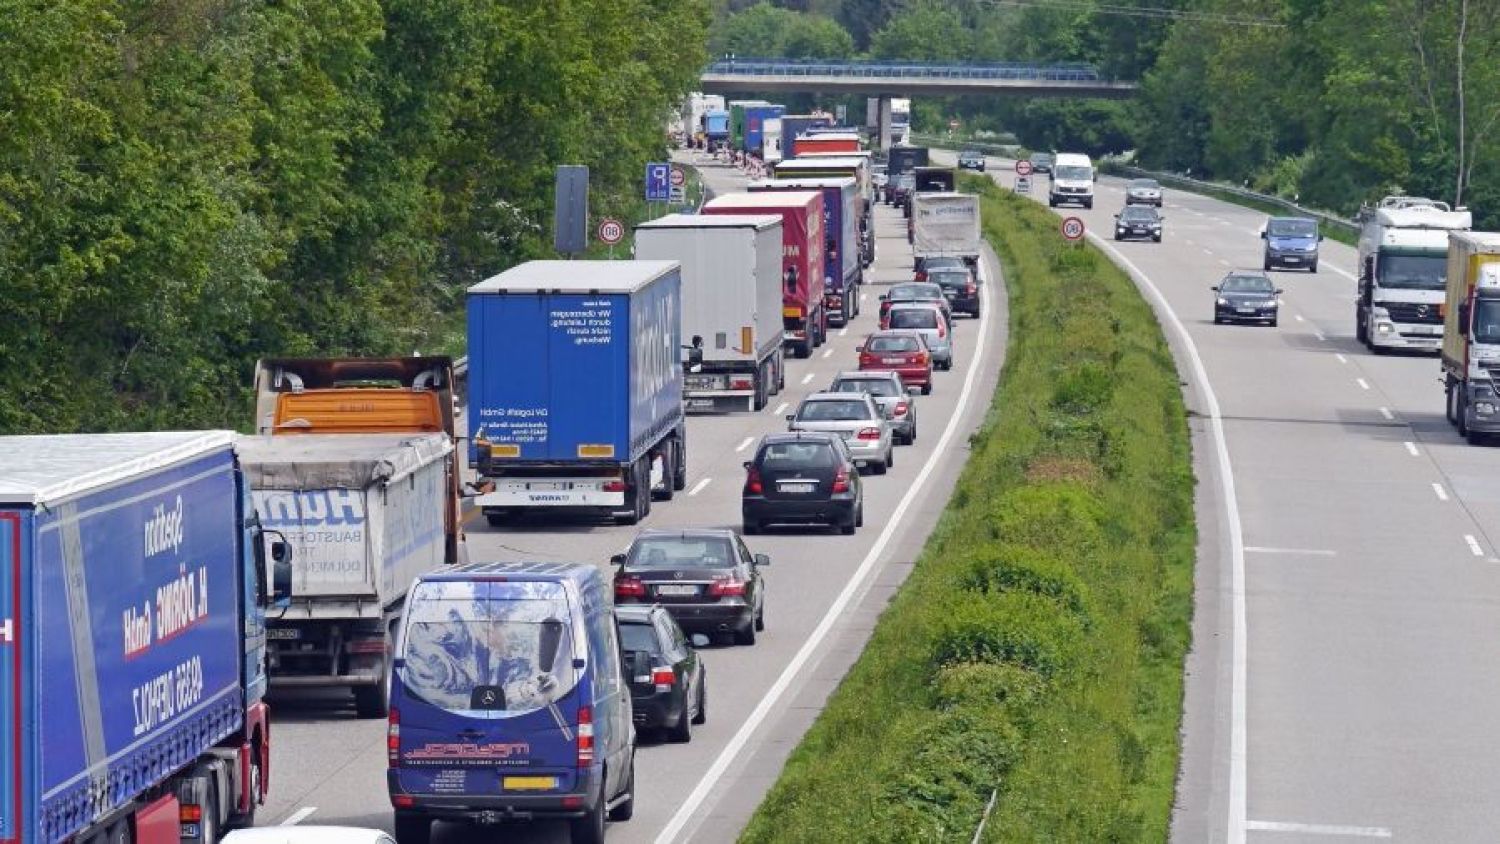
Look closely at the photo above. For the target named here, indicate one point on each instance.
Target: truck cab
(1403, 260)
(1471, 335)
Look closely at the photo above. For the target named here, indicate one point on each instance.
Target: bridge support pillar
(883, 124)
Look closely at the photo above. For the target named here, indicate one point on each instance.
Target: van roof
(1069, 158)
(518, 571)
(51, 468)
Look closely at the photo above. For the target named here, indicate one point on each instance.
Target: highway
(1345, 670)
(824, 594)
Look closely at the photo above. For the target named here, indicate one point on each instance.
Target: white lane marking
(814, 643)
(1298, 317)
(1189, 241)
(862, 297)
(1236, 816)
(1341, 271)
(1411, 447)
(1474, 545)
(698, 487)
(1301, 552)
(1341, 357)
(1386, 412)
(1319, 335)
(807, 379)
(1207, 251)
(299, 816)
(827, 353)
(1363, 384)
(844, 332)
(1224, 262)
(744, 444)
(780, 409)
(1320, 829)
(1441, 493)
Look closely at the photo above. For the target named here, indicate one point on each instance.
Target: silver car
(928, 319)
(896, 400)
(857, 419)
(1143, 192)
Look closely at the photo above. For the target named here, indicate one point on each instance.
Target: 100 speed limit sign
(1072, 228)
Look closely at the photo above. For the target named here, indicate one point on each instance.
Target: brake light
(841, 480)
(921, 358)
(189, 813)
(866, 358)
(585, 736)
(664, 679)
(942, 332)
(366, 647)
(726, 587)
(393, 737)
(752, 482)
(616, 485)
(901, 408)
(629, 586)
(868, 434)
(740, 383)
(971, 289)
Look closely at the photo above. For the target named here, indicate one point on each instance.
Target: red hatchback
(899, 351)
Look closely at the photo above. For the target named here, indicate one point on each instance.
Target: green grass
(1037, 646)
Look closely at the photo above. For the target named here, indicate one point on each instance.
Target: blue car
(509, 702)
(1291, 242)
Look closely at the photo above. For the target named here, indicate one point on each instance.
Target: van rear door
(11, 779)
(488, 693)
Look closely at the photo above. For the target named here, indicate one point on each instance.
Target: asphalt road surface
(1346, 661)
(825, 592)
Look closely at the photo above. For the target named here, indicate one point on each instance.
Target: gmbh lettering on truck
(804, 318)
(1471, 335)
(731, 304)
(1403, 265)
(575, 388)
(843, 277)
(133, 586)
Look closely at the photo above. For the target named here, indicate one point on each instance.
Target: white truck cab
(1071, 180)
(1403, 262)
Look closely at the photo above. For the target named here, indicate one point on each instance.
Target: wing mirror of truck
(746, 464)
(281, 565)
(1320, 237)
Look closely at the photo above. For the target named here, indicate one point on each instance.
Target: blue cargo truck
(132, 639)
(575, 387)
(844, 270)
(755, 127)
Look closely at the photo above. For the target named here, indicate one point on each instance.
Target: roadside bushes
(1036, 649)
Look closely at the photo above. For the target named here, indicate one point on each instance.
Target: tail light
(942, 332)
(585, 736)
(841, 480)
(922, 358)
(615, 485)
(971, 289)
(901, 408)
(752, 482)
(663, 678)
(741, 382)
(868, 434)
(189, 813)
(393, 737)
(726, 587)
(366, 647)
(865, 359)
(629, 586)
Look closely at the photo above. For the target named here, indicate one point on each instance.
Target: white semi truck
(1403, 260)
(1471, 334)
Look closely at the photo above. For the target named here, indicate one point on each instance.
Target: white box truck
(945, 225)
(731, 305)
(1471, 334)
(364, 516)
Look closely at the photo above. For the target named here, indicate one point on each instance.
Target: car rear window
(892, 344)
(833, 411)
(638, 636)
(796, 454)
(949, 278)
(678, 552)
(914, 318)
(462, 637)
(873, 386)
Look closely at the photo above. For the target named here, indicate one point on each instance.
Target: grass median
(1036, 649)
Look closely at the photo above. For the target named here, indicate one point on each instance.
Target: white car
(307, 835)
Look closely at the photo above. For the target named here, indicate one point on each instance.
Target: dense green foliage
(186, 185)
(1037, 646)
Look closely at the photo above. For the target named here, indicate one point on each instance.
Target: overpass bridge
(909, 79)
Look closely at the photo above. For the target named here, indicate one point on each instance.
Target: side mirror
(1279, 291)
(281, 566)
(746, 464)
(883, 297)
(1215, 288)
(762, 559)
(1117, 216)
(1262, 234)
(617, 559)
(859, 348)
(791, 417)
(700, 641)
(695, 356)
(1320, 237)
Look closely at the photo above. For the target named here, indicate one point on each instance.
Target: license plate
(799, 487)
(529, 783)
(708, 403)
(189, 830)
(1245, 310)
(283, 634)
(1292, 259)
(676, 589)
(547, 486)
(893, 360)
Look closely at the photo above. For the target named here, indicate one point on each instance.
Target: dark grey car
(1246, 296)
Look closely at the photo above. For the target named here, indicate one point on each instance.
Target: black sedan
(1246, 296)
(1139, 222)
(668, 683)
(971, 160)
(707, 579)
(802, 477)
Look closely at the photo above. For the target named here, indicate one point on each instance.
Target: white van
(1072, 180)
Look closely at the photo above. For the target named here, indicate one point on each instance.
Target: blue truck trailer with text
(575, 387)
(845, 271)
(132, 639)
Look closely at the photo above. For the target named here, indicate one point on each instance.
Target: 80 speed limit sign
(1072, 228)
(611, 231)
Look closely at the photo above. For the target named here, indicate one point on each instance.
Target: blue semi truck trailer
(575, 387)
(133, 578)
(844, 271)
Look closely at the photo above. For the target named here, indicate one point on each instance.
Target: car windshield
(1413, 272)
(1041, 158)
(1144, 184)
(1073, 172)
(1246, 284)
(796, 455)
(1138, 215)
(839, 410)
(469, 651)
(892, 344)
(638, 636)
(674, 552)
(914, 318)
(949, 279)
(874, 386)
(971, 154)
(1292, 228)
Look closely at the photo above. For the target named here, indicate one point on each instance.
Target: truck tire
(762, 387)
(1462, 411)
(804, 348)
(780, 372)
(1449, 402)
(668, 472)
(374, 701)
(1361, 330)
(679, 468)
(413, 829)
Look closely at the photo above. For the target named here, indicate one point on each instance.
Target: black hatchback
(802, 477)
(960, 287)
(668, 683)
(706, 578)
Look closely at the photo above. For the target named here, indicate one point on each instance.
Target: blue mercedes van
(509, 703)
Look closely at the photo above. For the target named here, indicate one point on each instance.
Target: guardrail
(942, 142)
(1177, 180)
(1064, 72)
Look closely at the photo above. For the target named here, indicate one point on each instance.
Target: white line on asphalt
(1189, 241)
(1301, 552)
(1224, 262)
(1207, 251)
(1412, 447)
(1341, 271)
(862, 297)
(844, 332)
(1442, 494)
(1386, 412)
(1319, 335)
(1341, 357)
(780, 409)
(1238, 663)
(299, 816)
(827, 353)
(1363, 384)
(1320, 829)
(1298, 317)
(744, 444)
(806, 379)
(698, 487)
(1474, 545)
(814, 643)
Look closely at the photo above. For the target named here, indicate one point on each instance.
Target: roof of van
(513, 571)
(1068, 158)
(576, 277)
(51, 468)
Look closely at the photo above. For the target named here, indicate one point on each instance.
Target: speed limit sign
(1072, 228)
(1023, 168)
(611, 231)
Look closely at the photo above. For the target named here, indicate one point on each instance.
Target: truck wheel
(668, 474)
(374, 701)
(762, 387)
(1463, 412)
(1449, 396)
(804, 348)
(1361, 331)
(780, 372)
(679, 467)
(413, 829)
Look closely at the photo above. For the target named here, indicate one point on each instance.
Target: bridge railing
(1021, 71)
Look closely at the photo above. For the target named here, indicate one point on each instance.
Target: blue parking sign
(658, 181)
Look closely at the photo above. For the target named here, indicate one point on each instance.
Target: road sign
(658, 181)
(1023, 168)
(679, 194)
(1023, 184)
(1072, 228)
(611, 231)
(679, 177)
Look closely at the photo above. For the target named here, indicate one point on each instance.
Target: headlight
(1222, 301)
